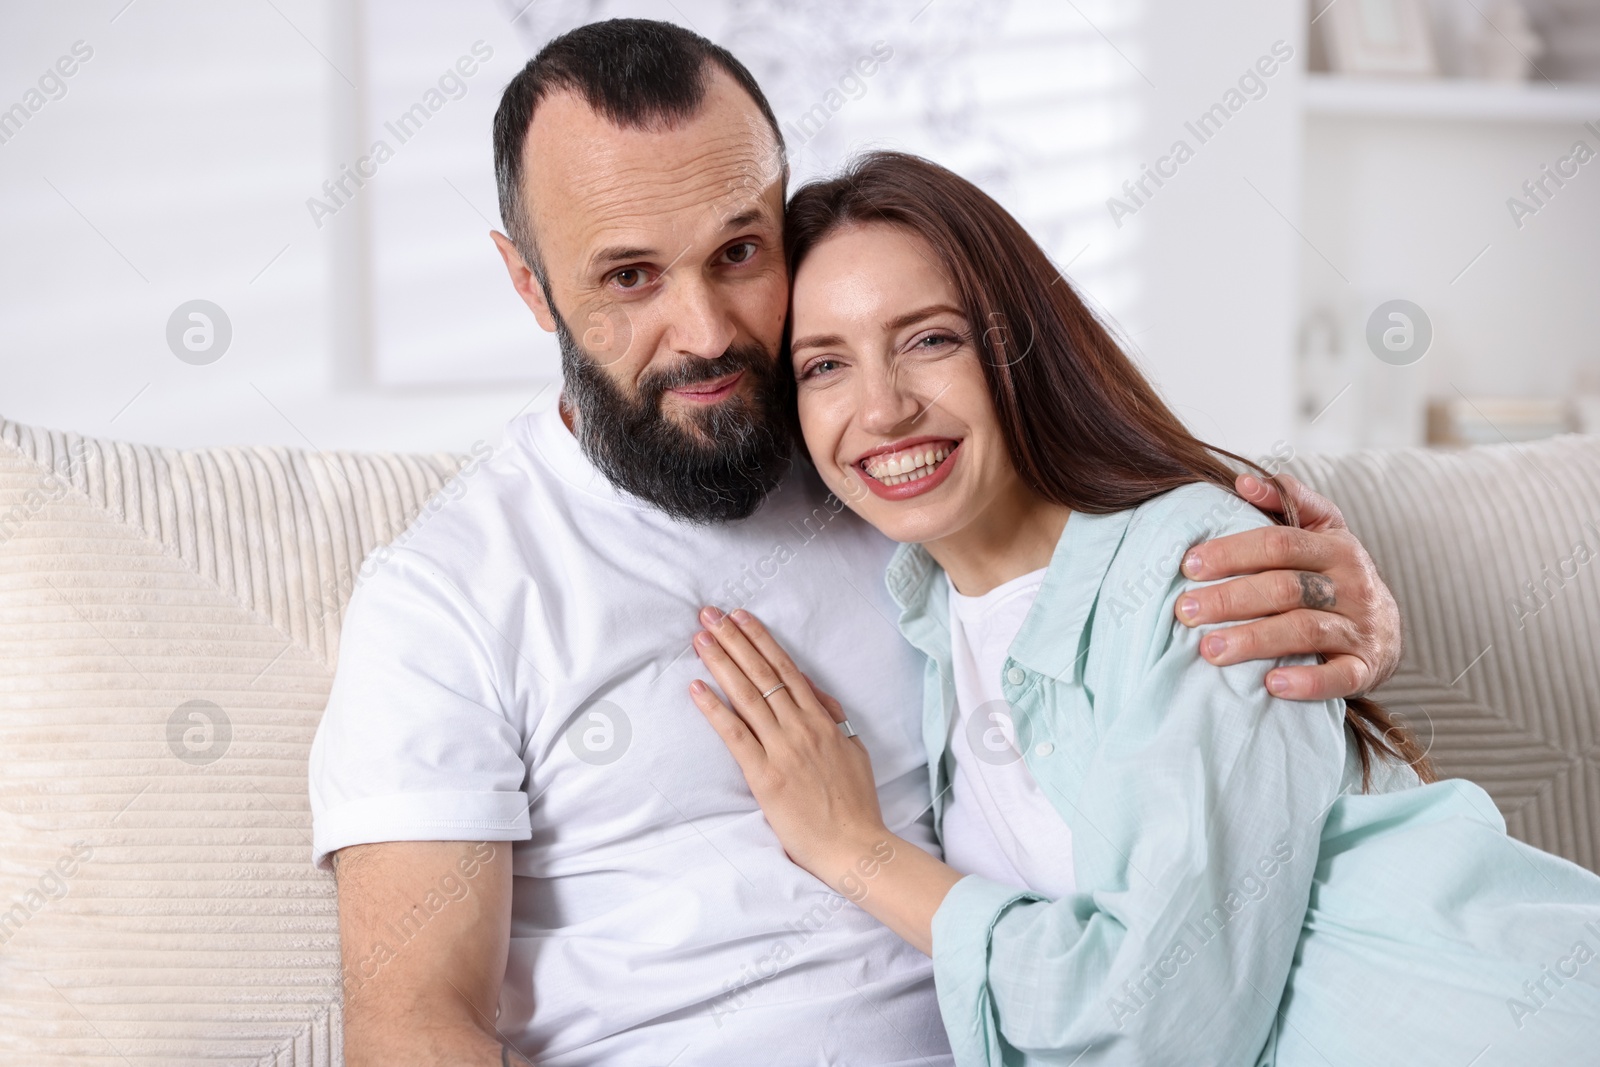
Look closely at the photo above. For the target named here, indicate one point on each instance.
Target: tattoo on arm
(1316, 591)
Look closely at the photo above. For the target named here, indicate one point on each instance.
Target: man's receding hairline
(760, 132)
(760, 129)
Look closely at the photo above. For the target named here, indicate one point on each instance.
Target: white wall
(441, 310)
(1401, 208)
(177, 167)
(185, 150)
(1220, 252)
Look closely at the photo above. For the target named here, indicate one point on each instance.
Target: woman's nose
(889, 406)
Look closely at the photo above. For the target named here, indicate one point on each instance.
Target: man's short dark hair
(638, 73)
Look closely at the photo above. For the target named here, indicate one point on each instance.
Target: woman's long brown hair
(1085, 429)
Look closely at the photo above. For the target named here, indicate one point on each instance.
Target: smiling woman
(1122, 823)
(893, 262)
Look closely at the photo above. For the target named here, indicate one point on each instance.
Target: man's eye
(741, 252)
(631, 278)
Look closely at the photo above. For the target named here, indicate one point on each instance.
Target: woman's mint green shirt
(1239, 899)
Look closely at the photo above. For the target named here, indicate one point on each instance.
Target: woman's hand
(814, 783)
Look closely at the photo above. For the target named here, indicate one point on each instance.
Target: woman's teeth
(901, 467)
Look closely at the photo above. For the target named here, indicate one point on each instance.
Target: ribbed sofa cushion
(168, 627)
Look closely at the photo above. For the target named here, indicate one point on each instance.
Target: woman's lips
(919, 478)
(712, 391)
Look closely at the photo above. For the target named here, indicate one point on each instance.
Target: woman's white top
(997, 821)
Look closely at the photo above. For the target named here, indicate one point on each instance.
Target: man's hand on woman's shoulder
(1309, 590)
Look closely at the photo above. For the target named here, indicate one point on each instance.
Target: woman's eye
(933, 340)
(741, 252)
(821, 366)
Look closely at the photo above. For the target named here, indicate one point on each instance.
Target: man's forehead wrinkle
(642, 206)
(624, 202)
(723, 162)
(678, 200)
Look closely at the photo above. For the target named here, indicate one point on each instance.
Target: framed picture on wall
(1377, 37)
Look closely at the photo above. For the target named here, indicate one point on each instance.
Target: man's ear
(524, 282)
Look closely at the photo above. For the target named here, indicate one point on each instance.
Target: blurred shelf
(1446, 98)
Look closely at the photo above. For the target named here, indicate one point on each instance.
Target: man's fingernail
(1214, 645)
(1277, 685)
(1191, 564)
(704, 640)
(1188, 607)
(710, 615)
(742, 617)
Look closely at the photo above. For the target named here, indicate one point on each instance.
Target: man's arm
(424, 931)
(1311, 590)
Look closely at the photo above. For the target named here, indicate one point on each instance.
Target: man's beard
(737, 451)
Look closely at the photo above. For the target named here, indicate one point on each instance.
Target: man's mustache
(693, 370)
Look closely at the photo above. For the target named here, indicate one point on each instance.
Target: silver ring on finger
(774, 689)
(846, 729)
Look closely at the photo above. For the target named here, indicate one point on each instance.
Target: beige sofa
(169, 624)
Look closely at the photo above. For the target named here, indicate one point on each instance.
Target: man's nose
(698, 322)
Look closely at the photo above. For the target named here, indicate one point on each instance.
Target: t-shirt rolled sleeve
(415, 744)
(421, 817)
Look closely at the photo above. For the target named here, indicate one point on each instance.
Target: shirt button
(1044, 748)
(1015, 676)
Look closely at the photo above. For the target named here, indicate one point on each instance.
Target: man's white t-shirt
(517, 671)
(997, 822)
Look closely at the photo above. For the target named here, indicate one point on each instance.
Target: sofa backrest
(1493, 554)
(168, 628)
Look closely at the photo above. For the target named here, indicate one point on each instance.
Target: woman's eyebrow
(824, 340)
(911, 317)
